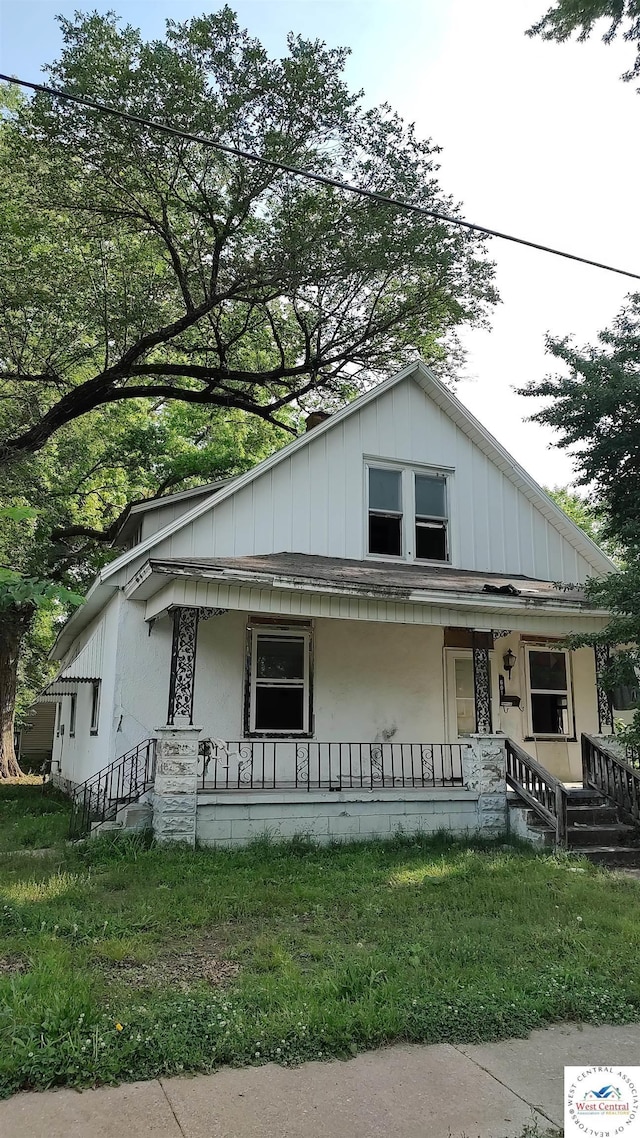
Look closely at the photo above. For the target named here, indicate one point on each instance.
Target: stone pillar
(175, 790)
(484, 773)
(605, 712)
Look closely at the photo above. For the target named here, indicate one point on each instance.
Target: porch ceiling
(307, 585)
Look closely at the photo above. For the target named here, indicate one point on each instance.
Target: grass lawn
(119, 961)
(29, 818)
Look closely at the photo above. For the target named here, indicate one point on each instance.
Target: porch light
(509, 661)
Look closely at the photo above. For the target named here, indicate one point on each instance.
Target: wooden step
(612, 835)
(611, 855)
(587, 815)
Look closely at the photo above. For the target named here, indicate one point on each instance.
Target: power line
(383, 199)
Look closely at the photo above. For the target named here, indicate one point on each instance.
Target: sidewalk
(493, 1090)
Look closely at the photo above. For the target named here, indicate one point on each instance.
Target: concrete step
(611, 855)
(616, 834)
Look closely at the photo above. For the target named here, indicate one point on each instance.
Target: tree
(569, 16)
(595, 406)
(580, 510)
(141, 266)
(65, 502)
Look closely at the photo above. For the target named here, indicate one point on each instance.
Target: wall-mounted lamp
(509, 661)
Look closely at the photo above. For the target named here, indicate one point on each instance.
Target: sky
(538, 139)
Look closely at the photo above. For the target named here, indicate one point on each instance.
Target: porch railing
(604, 771)
(544, 793)
(119, 784)
(309, 765)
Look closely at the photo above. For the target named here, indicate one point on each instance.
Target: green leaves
(18, 592)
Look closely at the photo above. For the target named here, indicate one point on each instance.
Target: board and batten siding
(314, 500)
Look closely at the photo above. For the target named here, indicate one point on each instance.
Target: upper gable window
(407, 514)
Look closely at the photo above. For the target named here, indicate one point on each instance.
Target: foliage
(595, 407)
(151, 267)
(569, 16)
(338, 950)
(579, 509)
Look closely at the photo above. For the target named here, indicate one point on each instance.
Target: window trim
(95, 707)
(408, 515)
(287, 631)
(73, 714)
(568, 691)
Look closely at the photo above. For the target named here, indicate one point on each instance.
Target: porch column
(183, 664)
(482, 685)
(605, 711)
(484, 772)
(175, 787)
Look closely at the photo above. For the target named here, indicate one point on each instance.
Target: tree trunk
(14, 624)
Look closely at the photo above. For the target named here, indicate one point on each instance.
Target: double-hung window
(550, 711)
(407, 514)
(279, 700)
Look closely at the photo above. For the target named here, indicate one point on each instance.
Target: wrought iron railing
(119, 784)
(541, 790)
(612, 776)
(267, 764)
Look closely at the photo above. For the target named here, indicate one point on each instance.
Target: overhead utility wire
(384, 199)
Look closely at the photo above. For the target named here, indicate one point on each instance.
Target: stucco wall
(233, 821)
(372, 683)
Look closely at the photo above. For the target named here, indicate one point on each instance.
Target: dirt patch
(177, 969)
(13, 964)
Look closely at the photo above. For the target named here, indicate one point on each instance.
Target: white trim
(568, 691)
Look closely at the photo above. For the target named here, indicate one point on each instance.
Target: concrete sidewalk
(493, 1090)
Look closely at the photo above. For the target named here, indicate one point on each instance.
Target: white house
(330, 631)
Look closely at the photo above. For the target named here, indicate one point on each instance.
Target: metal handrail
(613, 776)
(120, 783)
(540, 789)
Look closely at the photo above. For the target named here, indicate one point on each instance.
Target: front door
(461, 704)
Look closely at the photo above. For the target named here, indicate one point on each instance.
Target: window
(550, 710)
(95, 706)
(431, 517)
(395, 494)
(385, 511)
(280, 689)
(461, 694)
(73, 700)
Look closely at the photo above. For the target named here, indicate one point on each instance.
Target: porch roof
(400, 581)
(297, 584)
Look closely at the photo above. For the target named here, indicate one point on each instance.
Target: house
(340, 641)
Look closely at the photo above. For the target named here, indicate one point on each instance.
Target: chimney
(316, 418)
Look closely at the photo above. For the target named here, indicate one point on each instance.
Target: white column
(484, 772)
(175, 795)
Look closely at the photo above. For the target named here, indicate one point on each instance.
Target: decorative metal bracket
(605, 711)
(482, 691)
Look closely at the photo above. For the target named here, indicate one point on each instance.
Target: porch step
(613, 834)
(611, 855)
(588, 815)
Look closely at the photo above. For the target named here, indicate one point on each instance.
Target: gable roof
(456, 411)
